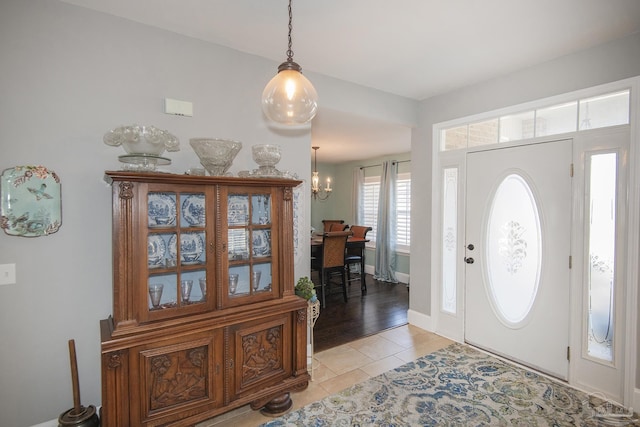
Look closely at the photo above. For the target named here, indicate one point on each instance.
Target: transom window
(605, 110)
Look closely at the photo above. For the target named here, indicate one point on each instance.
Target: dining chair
(338, 227)
(355, 255)
(332, 262)
(326, 223)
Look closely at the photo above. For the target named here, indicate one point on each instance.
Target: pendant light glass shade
(289, 97)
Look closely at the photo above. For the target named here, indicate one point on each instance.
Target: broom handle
(74, 377)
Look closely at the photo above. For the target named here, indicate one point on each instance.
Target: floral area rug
(457, 386)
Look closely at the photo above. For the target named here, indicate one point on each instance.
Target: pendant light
(316, 191)
(289, 98)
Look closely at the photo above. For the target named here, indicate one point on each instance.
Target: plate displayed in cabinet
(238, 210)
(191, 248)
(156, 248)
(161, 210)
(193, 210)
(261, 209)
(261, 243)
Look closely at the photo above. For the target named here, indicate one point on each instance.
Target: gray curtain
(357, 193)
(385, 262)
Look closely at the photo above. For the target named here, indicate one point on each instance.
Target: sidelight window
(601, 262)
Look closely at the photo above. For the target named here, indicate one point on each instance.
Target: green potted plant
(306, 289)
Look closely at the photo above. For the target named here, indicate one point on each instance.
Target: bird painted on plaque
(22, 218)
(40, 192)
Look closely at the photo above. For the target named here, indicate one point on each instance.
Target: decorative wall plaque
(31, 203)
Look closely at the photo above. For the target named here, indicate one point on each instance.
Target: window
(403, 212)
(610, 109)
(403, 209)
(371, 195)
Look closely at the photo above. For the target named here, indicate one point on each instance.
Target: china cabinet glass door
(178, 251)
(251, 246)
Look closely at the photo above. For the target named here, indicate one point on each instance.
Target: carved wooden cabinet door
(258, 353)
(176, 376)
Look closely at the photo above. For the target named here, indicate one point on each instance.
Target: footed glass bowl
(216, 155)
(144, 140)
(266, 154)
(267, 157)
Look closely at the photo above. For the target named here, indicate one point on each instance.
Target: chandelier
(289, 98)
(316, 191)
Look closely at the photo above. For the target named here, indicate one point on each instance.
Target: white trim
(402, 277)
(420, 320)
(633, 252)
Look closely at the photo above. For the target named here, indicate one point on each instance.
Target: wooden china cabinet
(205, 318)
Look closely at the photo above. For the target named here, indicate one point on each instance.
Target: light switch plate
(7, 274)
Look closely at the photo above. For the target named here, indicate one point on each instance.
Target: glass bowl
(216, 155)
(266, 154)
(143, 140)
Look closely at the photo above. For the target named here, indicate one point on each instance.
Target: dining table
(357, 243)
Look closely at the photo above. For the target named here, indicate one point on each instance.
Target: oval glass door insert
(513, 250)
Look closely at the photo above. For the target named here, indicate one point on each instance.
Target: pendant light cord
(290, 51)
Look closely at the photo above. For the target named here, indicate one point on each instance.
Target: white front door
(518, 241)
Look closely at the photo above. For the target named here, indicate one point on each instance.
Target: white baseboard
(402, 277)
(420, 320)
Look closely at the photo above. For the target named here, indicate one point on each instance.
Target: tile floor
(340, 367)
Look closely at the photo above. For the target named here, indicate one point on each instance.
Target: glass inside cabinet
(249, 244)
(176, 249)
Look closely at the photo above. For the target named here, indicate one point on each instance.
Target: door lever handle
(468, 260)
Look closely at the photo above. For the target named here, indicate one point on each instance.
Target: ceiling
(411, 48)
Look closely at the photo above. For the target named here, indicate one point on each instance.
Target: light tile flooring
(340, 367)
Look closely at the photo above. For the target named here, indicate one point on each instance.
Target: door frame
(452, 325)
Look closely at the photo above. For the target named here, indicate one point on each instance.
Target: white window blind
(371, 195)
(403, 209)
(403, 212)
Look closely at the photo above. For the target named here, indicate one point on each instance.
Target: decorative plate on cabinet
(161, 210)
(238, 209)
(31, 201)
(193, 210)
(156, 248)
(261, 243)
(191, 248)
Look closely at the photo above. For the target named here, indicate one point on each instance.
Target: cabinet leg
(277, 406)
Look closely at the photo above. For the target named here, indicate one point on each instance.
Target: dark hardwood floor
(384, 306)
